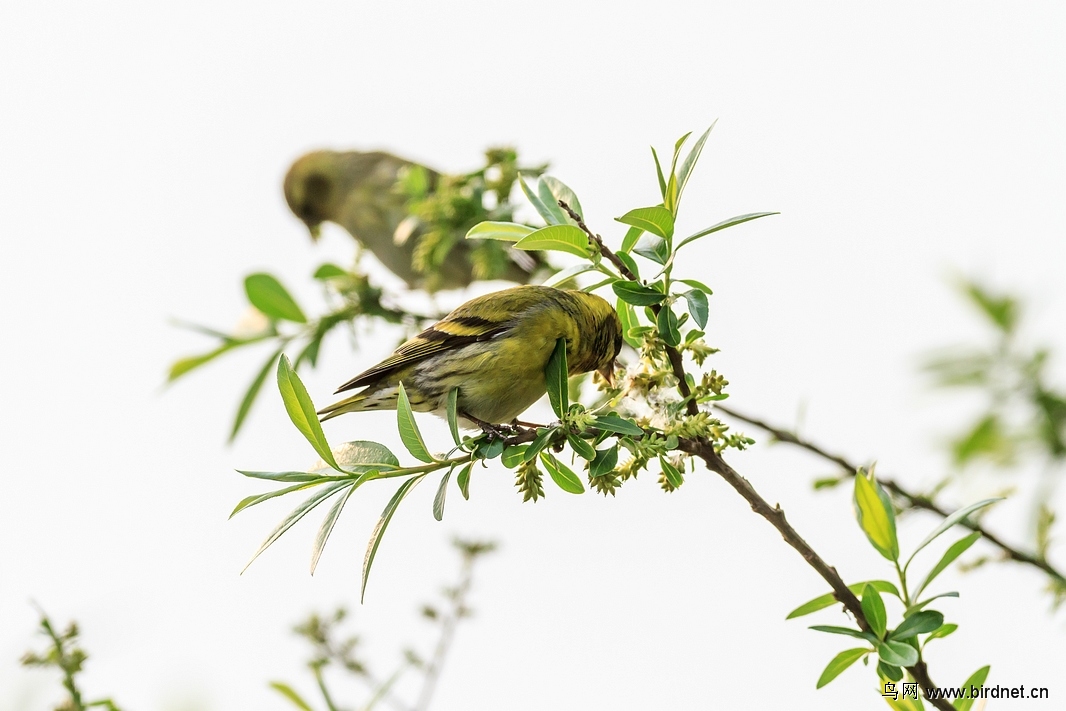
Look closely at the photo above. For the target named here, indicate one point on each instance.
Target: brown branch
(611, 256)
(916, 501)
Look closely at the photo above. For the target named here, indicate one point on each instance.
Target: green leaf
(556, 379)
(739, 219)
(876, 519)
(957, 548)
(359, 456)
(329, 271)
(628, 317)
(673, 475)
(299, 512)
(841, 662)
(671, 197)
(654, 248)
(249, 501)
(943, 631)
(559, 238)
(552, 190)
(948, 522)
(503, 231)
(1001, 311)
(630, 240)
(513, 456)
(656, 220)
(268, 295)
(847, 631)
(492, 449)
(382, 524)
(685, 172)
(280, 476)
(302, 411)
(873, 608)
(442, 492)
(978, 678)
(453, 414)
(463, 480)
(183, 365)
(287, 691)
(697, 285)
(919, 623)
(919, 605)
(604, 461)
(581, 447)
(250, 395)
(823, 601)
(328, 523)
(409, 433)
(633, 293)
(898, 654)
(667, 324)
(562, 475)
(544, 435)
(659, 172)
(631, 264)
(569, 273)
(614, 423)
(551, 216)
(889, 672)
(697, 306)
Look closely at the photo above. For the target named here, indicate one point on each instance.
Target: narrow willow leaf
(463, 480)
(559, 238)
(943, 631)
(823, 601)
(409, 432)
(628, 317)
(302, 411)
(739, 219)
(630, 240)
(299, 512)
(513, 456)
(328, 523)
(657, 220)
(552, 190)
(631, 264)
(379, 529)
(183, 365)
(668, 326)
(268, 295)
(697, 285)
(544, 435)
(841, 662)
(329, 271)
(654, 248)
(698, 306)
(614, 423)
(875, 518)
(252, 392)
(280, 476)
(442, 492)
(568, 274)
(685, 172)
(453, 414)
(950, 521)
(604, 461)
(503, 231)
(898, 654)
(659, 172)
(672, 473)
(556, 377)
(545, 212)
(954, 551)
(288, 692)
(633, 293)
(249, 501)
(581, 447)
(919, 605)
(873, 608)
(670, 199)
(978, 679)
(563, 476)
(919, 623)
(847, 631)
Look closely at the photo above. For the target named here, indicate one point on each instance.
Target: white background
(141, 153)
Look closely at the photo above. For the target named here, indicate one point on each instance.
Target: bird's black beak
(607, 372)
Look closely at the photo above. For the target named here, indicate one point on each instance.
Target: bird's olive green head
(312, 189)
(604, 336)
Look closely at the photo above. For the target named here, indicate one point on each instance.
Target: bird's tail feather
(383, 398)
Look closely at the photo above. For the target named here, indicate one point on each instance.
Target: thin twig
(912, 499)
(773, 514)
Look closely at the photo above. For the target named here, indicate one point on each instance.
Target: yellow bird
(358, 191)
(494, 350)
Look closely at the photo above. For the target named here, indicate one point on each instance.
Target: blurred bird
(359, 192)
(494, 350)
